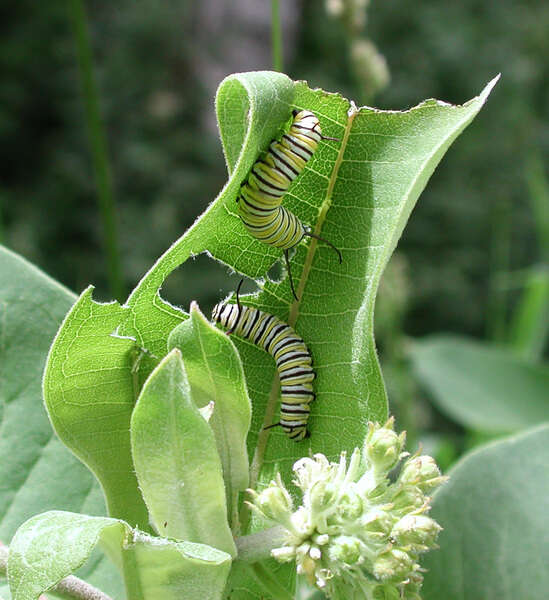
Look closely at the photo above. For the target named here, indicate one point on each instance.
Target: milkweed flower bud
(274, 502)
(346, 549)
(383, 446)
(417, 531)
(369, 66)
(357, 533)
(393, 565)
(421, 471)
(408, 499)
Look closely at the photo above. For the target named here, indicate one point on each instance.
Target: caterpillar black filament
(260, 198)
(292, 357)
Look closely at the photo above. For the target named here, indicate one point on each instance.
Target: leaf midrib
(263, 435)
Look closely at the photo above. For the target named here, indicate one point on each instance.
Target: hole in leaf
(205, 280)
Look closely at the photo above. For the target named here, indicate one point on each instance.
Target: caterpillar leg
(295, 432)
(287, 259)
(317, 237)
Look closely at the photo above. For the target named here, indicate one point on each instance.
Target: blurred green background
(473, 258)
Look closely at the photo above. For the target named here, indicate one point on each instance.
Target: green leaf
(175, 570)
(480, 385)
(34, 465)
(176, 460)
(215, 374)
(51, 546)
(89, 393)
(358, 194)
(493, 510)
(251, 110)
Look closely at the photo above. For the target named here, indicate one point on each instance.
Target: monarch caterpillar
(292, 357)
(260, 197)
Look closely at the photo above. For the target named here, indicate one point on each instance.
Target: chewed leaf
(357, 193)
(89, 393)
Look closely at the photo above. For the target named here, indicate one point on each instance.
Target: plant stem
(2, 196)
(98, 143)
(500, 254)
(258, 546)
(276, 36)
(70, 588)
(538, 187)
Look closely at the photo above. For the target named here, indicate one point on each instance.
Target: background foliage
(158, 66)
(473, 259)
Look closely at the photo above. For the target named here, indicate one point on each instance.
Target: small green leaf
(215, 374)
(89, 393)
(171, 570)
(51, 546)
(176, 460)
(493, 510)
(482, 386)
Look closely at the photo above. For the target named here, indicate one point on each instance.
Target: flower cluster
(357, 535)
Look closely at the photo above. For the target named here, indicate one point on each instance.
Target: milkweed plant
(202, 495)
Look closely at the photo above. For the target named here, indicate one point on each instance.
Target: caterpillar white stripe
(292, 357)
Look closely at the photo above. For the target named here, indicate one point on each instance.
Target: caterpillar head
(216, 312)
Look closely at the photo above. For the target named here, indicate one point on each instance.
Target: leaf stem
(276, 36)
(69, 588)
(130, 574)
(97, 139)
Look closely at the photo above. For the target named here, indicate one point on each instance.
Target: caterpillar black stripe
(260, 198)
(292, 357)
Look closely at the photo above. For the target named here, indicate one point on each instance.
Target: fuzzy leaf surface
(94, 374)
(89, 390)
(482, 386)
(52, 545)
(176, 460)
(216, 376)
(495, 540)
(357, 193)
(37, 472)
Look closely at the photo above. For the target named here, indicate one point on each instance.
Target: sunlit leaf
(176, 460)
(216, 377)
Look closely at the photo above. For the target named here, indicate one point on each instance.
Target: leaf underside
(494, 513)
(50, 546)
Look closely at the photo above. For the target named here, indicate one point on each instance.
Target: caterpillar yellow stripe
(260, 197)
(292, 357)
